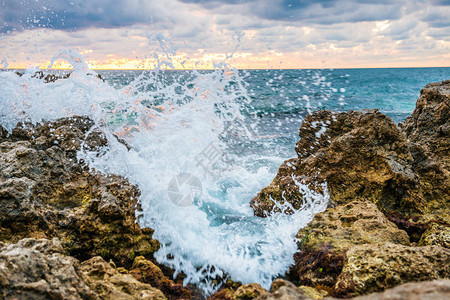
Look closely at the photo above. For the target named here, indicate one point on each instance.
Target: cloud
(80, 14)
(77, 14)
(313, 11)
(306, 29)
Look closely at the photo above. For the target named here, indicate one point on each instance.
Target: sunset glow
(354, 34)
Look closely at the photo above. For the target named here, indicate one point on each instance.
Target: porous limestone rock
(46, 192)
(243, 292)
(285, 290)
(146, 271)
(373, 268)
(109, 283)
(359, 155)
(363, 155)
(436, 234)
(323, 243)
(36, 269)
(427, 290)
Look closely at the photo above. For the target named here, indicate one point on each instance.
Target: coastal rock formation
(109, 283)
(243, 292)
(282, 289)
(363, 155)
(45, 192)
(38, 269)
(426, 290)
(146, 271)
(436, 234)
(373, 268)
(324, 242)
(359, 155)
(429, 124)
(388, 219)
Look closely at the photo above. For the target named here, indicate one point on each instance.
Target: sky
(255, 34)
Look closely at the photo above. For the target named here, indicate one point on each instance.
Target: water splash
(171, 121)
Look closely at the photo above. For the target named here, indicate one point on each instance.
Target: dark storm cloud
(314, 11)
(73, 14)
(78, 14)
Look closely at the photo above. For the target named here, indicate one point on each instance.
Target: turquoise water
(281, 98)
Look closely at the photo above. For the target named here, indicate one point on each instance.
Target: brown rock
(428, 130)
(372, 268)
(436, 234)
(325, 241)
(428, 290)
(45, 192)
(285, 290)
(429, 124)
(249, 291)
(36, 269)
(243, 292)
(109, 283)
(147, 272)
(359, 155)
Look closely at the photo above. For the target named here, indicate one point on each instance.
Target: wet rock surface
(108, 283)
(146, 271)
(373, 268)
(388, 219)
(426, 290)
(360, 155)
(363, 155)
(243, 292)
(38, 269)
(46, 192)
(327, 238)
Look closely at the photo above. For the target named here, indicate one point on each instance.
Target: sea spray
(170, 123)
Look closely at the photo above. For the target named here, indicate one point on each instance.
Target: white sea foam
(171, 129)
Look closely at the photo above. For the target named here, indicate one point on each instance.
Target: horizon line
(243, 69)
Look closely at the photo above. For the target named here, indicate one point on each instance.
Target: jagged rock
(363, 155)
(436, 234)
(389, 187)
(372, 268)
(36, 269)
(359, 155)
(428, 290)
(325, 241)
(109, 283)
(285, 290)
(428, 130)
(243, 292)
(147, 272)
(249, 291)
(45, 192)
(429, 124)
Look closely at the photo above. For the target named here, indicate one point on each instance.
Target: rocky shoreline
(68, 232)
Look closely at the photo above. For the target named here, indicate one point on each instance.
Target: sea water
(202, 144)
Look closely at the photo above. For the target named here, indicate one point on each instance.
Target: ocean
(204, 143)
